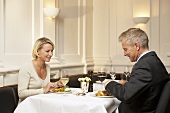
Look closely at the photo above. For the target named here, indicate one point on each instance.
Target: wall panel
(124, 21)
(17, 11)
(164, 32)
(111, 18)
(16, 36)
(164, 27)
(84, 30)
(69, 31)
(101, 31)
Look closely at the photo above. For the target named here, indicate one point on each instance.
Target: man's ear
(137, 46)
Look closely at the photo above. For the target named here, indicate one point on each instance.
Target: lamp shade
(141, 20)
(51, 12)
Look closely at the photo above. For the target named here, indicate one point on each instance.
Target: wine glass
(126, 72)
(102, 74)
(112, 73)
(54, 77)
(64, 78)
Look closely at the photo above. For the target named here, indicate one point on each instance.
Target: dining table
(55, 102)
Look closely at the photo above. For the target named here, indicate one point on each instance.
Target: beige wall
(85, 31)
(111, 17)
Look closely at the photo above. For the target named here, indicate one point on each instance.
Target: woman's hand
(59, 83)
(49, 86)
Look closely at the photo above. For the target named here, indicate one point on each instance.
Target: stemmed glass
(64, 78)
(112, 73)
(102, 74)
(126, 72)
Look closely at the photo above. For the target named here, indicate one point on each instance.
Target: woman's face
(46, 52)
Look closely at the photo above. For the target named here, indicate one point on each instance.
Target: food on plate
(61, 89)
(67, 90)
(58, 89)
(103, 93)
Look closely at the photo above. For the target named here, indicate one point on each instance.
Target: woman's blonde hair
(39, 44)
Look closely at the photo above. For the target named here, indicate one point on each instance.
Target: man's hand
(122, 82)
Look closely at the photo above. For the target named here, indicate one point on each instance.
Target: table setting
(71, 100)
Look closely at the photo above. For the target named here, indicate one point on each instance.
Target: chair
(164, 101)
(8, 99)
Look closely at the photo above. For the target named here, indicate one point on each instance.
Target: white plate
(105, 96)
(99, 82)
(62, 92)
(93, 94)
(66, 92)
(116, 80)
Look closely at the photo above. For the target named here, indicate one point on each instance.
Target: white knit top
(29, 83)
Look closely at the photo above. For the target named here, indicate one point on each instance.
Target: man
(141, 93)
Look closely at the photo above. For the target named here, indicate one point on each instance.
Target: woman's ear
(38, 55)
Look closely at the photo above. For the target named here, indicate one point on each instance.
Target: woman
(34, 77)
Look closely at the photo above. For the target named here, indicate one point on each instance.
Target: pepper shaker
(90, 74)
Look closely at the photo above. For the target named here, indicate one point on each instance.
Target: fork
(82, 94)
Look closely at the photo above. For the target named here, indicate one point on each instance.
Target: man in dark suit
(141, 93)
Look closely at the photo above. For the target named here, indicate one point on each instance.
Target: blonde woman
(34, 77)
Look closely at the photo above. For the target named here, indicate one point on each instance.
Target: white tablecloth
(66, 103)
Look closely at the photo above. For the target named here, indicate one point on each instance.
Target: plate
(99, 82)
(116, 80)
(93, 94)
(62, 92)
(67, 90)
(105, 96)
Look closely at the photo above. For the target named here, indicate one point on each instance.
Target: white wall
(85, 32)
(22, 22)
(15, 31)
(164, 27)
(112, 17)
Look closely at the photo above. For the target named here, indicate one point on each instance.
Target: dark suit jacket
(142, 92)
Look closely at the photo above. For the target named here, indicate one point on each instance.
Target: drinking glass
(64, 78)
(102, 74)
(126, 72)
(112, 73)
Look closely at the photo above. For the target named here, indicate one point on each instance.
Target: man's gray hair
(135, 35)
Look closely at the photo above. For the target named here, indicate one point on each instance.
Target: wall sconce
(141, 11)
(51, 12)
(141, 20)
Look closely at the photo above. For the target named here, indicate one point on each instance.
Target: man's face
(130, 51)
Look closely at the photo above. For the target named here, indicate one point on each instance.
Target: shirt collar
(142, 55)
